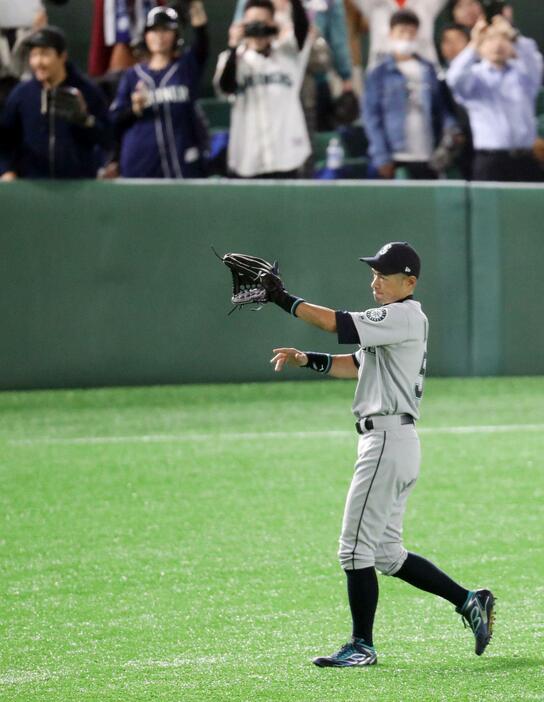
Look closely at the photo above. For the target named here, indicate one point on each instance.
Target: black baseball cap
(163, 18)
(395, 257)
(49, 37)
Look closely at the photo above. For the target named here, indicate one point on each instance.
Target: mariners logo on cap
(384, 250)
(378, 314)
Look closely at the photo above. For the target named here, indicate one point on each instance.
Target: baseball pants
(386, 470)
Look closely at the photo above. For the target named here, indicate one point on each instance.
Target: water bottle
(335, 155)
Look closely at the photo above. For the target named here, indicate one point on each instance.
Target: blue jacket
(166, 141)
(36, 144)
(384, 108)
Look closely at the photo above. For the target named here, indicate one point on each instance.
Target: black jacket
(37, 144)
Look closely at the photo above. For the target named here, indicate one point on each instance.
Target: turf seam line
(237, 436)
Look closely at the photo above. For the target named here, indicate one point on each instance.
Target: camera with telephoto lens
(492, 8)
(259, 30)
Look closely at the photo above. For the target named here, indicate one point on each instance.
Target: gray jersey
(392, 359)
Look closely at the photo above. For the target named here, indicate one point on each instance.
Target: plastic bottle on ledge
(335, 157)
(334, 163)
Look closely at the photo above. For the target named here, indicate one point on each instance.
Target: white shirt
(268, 131)
(378, 14)
(393, 358)
(419, 130)
(19, 13)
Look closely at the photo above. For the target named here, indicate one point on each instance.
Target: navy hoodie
(36, 144)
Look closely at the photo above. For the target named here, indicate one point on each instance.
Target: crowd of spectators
(453, 98)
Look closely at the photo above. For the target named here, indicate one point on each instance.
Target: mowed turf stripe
(258, 435)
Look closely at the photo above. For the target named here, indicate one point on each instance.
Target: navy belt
(388, 421)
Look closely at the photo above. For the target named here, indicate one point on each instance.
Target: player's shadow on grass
(504, 663)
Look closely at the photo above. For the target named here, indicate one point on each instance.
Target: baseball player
(264, 69)
(154, 111)
(390, 369)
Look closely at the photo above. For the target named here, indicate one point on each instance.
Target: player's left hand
(291, 357)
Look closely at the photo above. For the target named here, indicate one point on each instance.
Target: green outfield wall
(506, 256)
(116, 283)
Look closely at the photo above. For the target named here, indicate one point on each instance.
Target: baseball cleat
(354, 653)
(478, 613)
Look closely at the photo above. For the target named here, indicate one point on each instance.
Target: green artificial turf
(179, 544)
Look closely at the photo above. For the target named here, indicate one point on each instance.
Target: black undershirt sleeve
(227, 82)
(345, 328)
(301, 24)
(201, 44)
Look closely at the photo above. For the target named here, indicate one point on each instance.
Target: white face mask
(403, 47)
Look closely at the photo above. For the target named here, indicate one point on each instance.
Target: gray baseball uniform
(391, 363)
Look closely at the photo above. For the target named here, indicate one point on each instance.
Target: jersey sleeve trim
(345, 328)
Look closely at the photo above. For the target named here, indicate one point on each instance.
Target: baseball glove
(68, 104)
(247, 276)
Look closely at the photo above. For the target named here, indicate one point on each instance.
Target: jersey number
(421, 377)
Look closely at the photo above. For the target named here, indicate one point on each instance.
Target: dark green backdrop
(116, 283)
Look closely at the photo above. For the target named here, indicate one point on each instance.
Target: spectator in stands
(379, 13)
(404, 110)
(17, 21)
(455, 151)
(357, 28)
(264, 70)
(53, 124)
(453, 39)
(155, 109)
(329, 16)
(468, 12)
(497, 79)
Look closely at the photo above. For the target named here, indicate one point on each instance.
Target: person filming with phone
(263, 69)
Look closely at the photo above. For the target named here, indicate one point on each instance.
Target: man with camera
(497, 79)
(263, 69)
(53, 125)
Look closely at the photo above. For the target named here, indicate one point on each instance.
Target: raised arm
(462, 81)
(199, 23)
(225, 74)
(321, 317)
(529, 60)
(301, 24)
